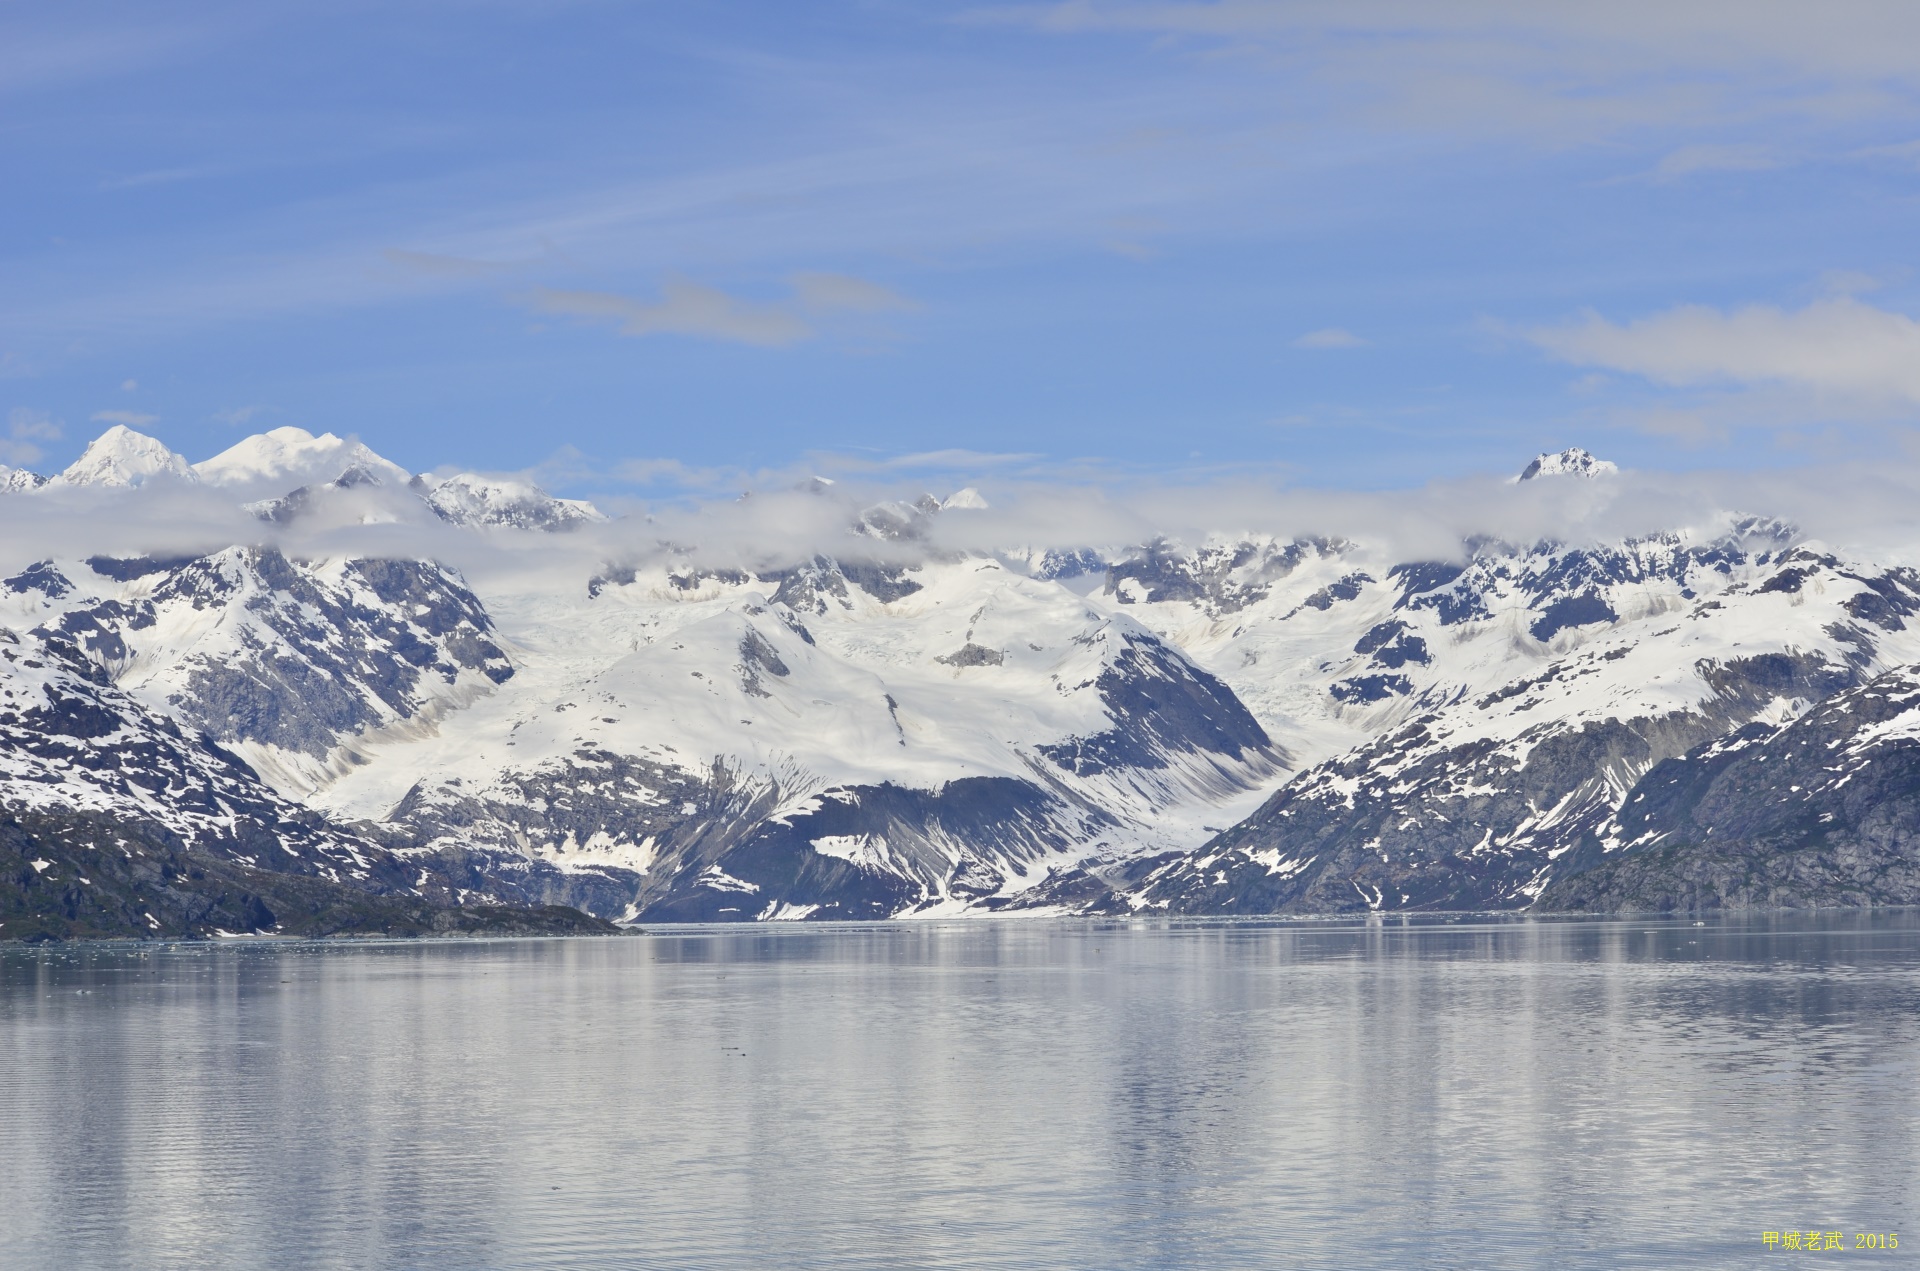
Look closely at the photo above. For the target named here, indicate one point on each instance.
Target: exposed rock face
(1823, 811)
(1220, 578)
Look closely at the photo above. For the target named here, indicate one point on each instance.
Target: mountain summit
(122, 457)
(285, 453)
(1571, 462)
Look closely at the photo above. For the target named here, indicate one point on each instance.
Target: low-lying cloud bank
(1874, 510)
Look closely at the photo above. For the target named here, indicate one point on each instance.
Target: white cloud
(238, 416)
(1329, 338)
(128, 386)
(436, 265)
(1688, 160)
(1864, 38)
(1850, 282)
(673, 472)
(1866, 504)
(24, 427)
(685, 308)
(691, 308)
(52, 50)
(842, 291)
(131, 418)
(1837, 347)
(23, 423)
(1570, 70)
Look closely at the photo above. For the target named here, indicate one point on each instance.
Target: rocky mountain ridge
(1244, 724)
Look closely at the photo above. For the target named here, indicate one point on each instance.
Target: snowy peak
(122, 457)
(471, 500)
(1571, 462)
(369, 509)
(19, 480)
(287, 453)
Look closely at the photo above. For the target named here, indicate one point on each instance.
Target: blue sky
(675, 245)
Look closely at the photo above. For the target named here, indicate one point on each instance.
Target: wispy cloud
(52, 49)
(674, 473)
(1844, 37)
(828, 292)
(131, 418)
(437, 265)
(1837, 346)
(25, 426)
(1568, 69)
(1329, 338)
(1850, 282)
(685, 308)
(956, 458)
(1688, 160)
(23, 423)
(780, 524)
(695, 309)
(159, 176)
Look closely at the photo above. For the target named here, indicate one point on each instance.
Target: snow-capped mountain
(467, 499)
(841, 740)
(122, 457)
(117, 821)
(1239, 723)
(290, 454)
(291, 664)
(1512, 705)
(1571, 462)
(327, 475)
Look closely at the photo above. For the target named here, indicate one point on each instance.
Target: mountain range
(297, 688)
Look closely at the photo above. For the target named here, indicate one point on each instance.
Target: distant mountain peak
(19, 480)
(470, 499)
(122, 457)
(291, 452)
(1571, 462)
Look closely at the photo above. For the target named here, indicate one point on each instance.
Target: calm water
(1013, 1094)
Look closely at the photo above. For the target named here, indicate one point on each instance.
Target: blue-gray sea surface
(1011, 1094)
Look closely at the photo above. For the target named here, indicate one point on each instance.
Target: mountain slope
(1822, 811)
(291, 663)
(1472, 801)
(116, 822)
(875, 741)
(122, 457)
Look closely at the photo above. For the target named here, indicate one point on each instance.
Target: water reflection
(1019, 1094)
